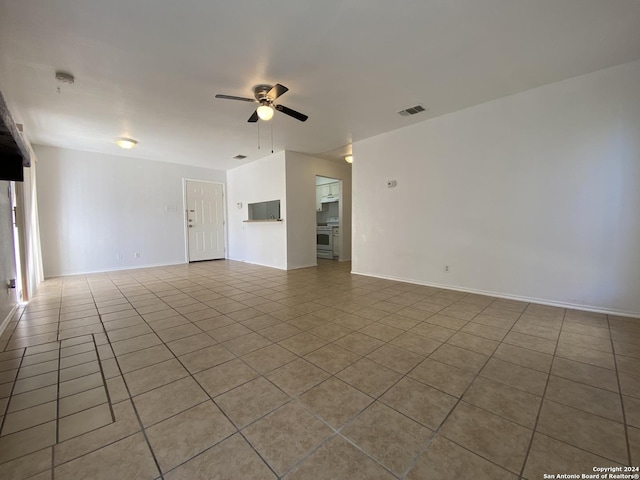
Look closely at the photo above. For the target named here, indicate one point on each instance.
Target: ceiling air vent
(412, 110)
(240, 157)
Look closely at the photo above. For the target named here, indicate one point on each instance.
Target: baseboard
(115, 269)
(541, 301)
(256, 263)
(7, 319)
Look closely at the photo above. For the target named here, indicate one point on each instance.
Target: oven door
(325, 240)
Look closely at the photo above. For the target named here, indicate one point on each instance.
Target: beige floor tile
(522, 378)
(81, 401)
(513, 404)
(548, 455)
(632, 410)
(359, 343)
(231, 459)
(29, 417)
(460, 358)
(523, 327)
(416, 343)
(404, 322)
(148, 378)
(583, 430)
(446, 322)
(183, 436)
(269, 358)
(335, 402)
(279, 331)
(447, 378)
(224, 377)
(634, 445)
(126, 424)
(34, 383)
(630, 384)
(369, 377)
(530, 342)
(494, 438)
(287, 435)
(474, 343)
(212, 323)
(303, 343)
(584, 397)
(524, 357)
(420, 402)
(337, 459)
(80, 384)
(395, 358)
(496, 318)
(381, 331)
(84, 421)
(391, 438)
(228, 332)
(30, 371)
(444, 459)
(176, 333)
(247, 343)
(137, 343)
(163, 402)
(28, 466)
(32, 398)
(251, 401)
(586, 341)
(206, 358)
(144, 358)
(577, 353)
(485, 331)
(190, 344)
(330, 331)
(629, 365)
(260, 322)
(332, 358)
(297, 377)
(462, 311)
(27, 441)
(134, 461)
(129, 332)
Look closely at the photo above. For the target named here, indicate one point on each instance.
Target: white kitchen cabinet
(318, 198)
(334, 189)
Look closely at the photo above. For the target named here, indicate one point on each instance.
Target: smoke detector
(64, 77)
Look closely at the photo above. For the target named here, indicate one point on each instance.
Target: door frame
(185, 223)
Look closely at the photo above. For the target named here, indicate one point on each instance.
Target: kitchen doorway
(204, 220)
(328, 197)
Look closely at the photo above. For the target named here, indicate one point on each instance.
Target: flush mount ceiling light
(126, 143)
(265, 112)
(348, 159)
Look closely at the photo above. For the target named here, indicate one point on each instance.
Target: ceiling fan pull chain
(258, 135)
(271, 137)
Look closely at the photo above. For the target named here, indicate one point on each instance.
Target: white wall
(301, 207)
(94, 206)
(262, 243)
(535, 195)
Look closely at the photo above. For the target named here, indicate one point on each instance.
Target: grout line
(624, 417)
(544, 394)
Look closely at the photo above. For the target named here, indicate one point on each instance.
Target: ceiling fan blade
(253, 118)
(231, 97)
(276, 91)
(292, 113)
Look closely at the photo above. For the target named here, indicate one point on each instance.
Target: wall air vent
(240, 157)
(412, 110)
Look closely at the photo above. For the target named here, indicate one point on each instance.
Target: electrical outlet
(119, 256)
(446, 269)
(136, 255)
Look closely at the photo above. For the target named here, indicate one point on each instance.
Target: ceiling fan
(265, 95)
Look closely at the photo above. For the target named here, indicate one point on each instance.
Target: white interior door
(205, 220)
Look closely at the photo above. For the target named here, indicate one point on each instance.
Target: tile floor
(233, 371)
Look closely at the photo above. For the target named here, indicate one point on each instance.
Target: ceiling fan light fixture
(126, 143)
(265, 112)
(348, 159)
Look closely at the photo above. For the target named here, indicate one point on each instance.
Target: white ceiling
(149, 69)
